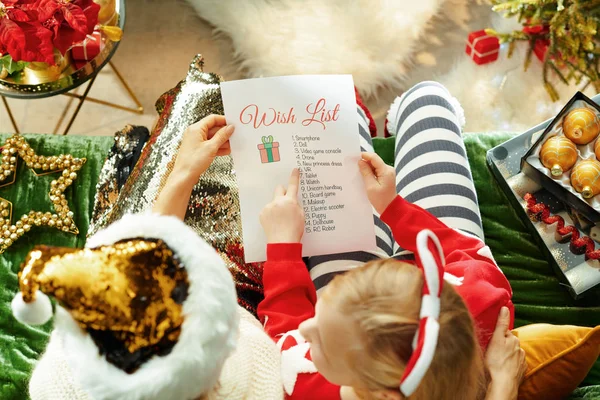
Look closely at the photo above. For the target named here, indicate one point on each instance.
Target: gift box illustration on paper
(269, 150)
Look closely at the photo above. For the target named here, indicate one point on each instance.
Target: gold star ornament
(62, 217)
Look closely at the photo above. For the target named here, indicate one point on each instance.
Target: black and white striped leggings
(432, 171)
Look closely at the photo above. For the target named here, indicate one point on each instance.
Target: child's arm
(290, 299)
(406, 220)
(505, 361)
(290, 295)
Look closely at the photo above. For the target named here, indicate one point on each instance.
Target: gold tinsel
(61, 217)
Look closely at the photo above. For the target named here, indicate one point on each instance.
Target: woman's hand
(283, 219)
(201, 143)
(505, 360)
(380, 181)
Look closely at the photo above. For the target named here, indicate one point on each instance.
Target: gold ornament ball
(581, 125)
(558, 154)
(597, 149)
(585, 178)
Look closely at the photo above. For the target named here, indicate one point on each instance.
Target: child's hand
(380, 181)
(505, 359)
(283, 218)
(201, 143)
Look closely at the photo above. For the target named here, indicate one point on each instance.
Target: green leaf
(12, 67)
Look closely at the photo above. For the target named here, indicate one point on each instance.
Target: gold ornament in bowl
(108, 13)
(558, 154)
(581, 125)
(39, 72)
(585, 178)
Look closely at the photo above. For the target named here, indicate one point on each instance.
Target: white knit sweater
(252, 372)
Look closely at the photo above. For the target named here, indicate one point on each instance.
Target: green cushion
(20, 344)
(537, 293)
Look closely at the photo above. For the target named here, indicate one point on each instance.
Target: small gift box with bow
(269, 150)
(482, 48)
(89, 48)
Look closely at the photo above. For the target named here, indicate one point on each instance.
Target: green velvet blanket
(537, 294)
(20, 345)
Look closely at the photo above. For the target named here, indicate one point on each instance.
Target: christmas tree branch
(564, 31)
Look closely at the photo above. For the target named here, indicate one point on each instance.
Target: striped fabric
(432, 171)
(324, 268)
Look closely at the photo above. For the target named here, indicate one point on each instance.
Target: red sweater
(290, 295)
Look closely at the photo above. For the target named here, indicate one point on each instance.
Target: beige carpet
(161, 37)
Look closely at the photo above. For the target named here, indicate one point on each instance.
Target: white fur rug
(371, 39)
(388, 46)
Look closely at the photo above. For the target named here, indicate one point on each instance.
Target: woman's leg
(432, 170)
(324, 268)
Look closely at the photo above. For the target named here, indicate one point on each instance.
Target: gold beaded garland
(62, 219)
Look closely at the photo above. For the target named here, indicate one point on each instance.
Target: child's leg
(432, 170)
(324, 268)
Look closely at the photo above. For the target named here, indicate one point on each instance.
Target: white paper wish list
(309, 122)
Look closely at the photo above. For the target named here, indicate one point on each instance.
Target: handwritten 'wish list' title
(318, 113)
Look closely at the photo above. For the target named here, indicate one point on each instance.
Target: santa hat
(146, 311)
(430, 258)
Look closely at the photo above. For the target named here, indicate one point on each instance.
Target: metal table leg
(9, 112)
(82, 98)
(78, 108)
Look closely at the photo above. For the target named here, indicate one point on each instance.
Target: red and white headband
(430, 258)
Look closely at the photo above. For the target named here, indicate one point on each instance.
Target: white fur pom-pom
(458, 110)
(394, 110)
(37, 312)
(392, 115)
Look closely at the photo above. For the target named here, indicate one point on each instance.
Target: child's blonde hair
(384, 299)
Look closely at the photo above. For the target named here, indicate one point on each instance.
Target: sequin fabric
(116, 169)
(129, 296)
(214, 209)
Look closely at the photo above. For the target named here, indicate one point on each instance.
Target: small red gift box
(89, 48)
(482, 48)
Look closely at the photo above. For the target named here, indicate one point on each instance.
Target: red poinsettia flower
(70, 21)
(21, 35)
